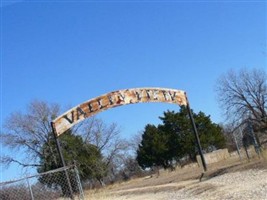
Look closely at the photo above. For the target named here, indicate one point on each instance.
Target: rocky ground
(244, 180)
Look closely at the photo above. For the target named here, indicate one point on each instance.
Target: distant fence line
(48, 185)
(215, 156)
(223, 154)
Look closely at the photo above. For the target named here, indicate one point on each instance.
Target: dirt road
(244, 181)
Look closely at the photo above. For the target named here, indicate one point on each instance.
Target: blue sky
(67, 52)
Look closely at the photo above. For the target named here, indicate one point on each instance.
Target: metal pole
(30, 188)
(256, 145)
(237, 146)
(62, 160)
(196, 137)
(246, 150)
(79, 181)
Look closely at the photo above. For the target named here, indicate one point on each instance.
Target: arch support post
(196, 137)
(62, 160)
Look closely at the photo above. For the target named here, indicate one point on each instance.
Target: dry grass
(264, 154)
(157, 188)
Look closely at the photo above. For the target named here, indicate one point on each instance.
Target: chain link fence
(60, 184)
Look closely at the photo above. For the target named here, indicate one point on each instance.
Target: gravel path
(244, 185)
(250, 184)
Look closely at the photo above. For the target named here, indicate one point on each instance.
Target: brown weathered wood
(114, 99)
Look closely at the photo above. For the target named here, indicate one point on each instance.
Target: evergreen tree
(174, 139)
(87, 157)
(211, 134)
(153, 148)
(179, 125)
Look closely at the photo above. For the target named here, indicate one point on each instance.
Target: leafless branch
(29, 132)
(244, 93)
(6, 160)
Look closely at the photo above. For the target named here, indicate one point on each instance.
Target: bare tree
(96, 132)
(28, 132)
(134, 142)
(107, 138)
(242, 94)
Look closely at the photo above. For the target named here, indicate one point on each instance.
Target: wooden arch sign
(114, 99)
(119, 98)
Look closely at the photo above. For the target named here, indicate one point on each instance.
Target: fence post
(30, 188)
(252, 133)
(237, 147)
(79, 181)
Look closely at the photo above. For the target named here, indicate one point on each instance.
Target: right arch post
(196, 136)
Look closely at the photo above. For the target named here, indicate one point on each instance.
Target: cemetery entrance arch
(120, 98)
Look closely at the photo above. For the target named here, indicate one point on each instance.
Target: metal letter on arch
(114, 99)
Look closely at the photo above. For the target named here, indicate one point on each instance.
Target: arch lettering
(114, 99)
